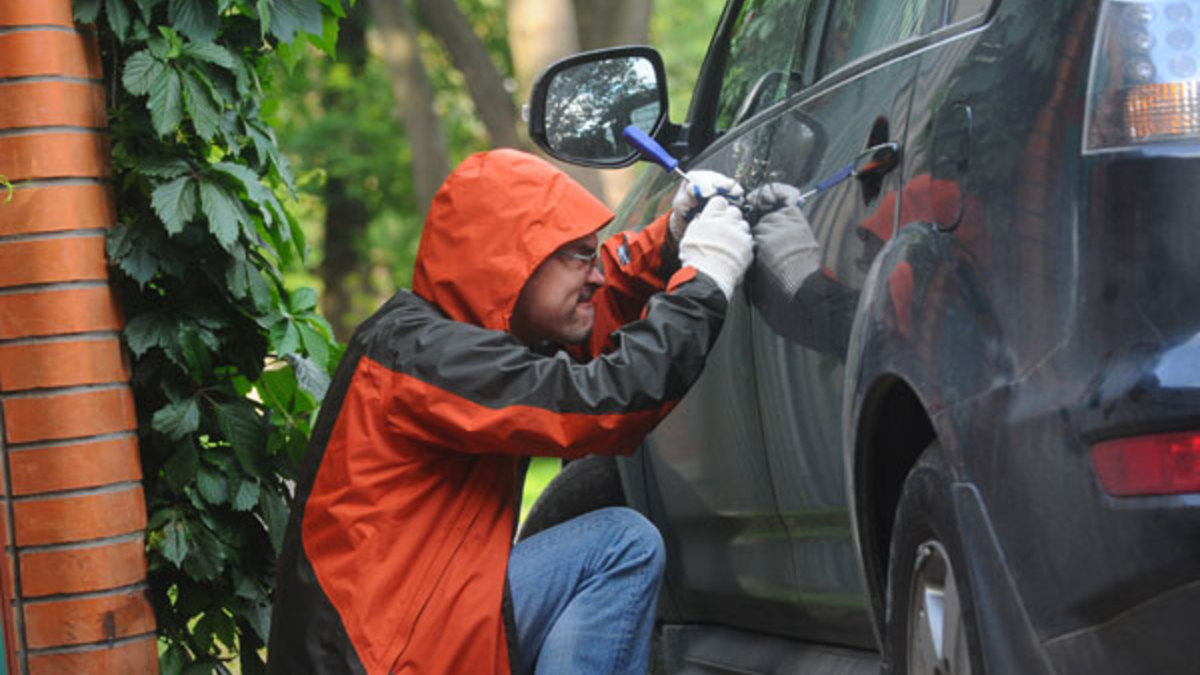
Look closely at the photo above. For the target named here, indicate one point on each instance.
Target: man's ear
(517, 321)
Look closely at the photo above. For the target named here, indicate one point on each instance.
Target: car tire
(930, 619)
(583, 485)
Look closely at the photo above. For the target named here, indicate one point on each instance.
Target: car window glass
(859, 27)
(765, 60)
(965, 9)
(935, 15)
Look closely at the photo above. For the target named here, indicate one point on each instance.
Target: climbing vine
(8, 189)
(228, 363)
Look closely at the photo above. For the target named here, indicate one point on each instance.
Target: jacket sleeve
(636, 266)
(461, 388)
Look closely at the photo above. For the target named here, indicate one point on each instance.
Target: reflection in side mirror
(581, 105)
(588, 106)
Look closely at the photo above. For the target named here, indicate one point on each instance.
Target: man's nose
(596, 273)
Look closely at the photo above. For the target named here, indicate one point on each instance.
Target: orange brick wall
(73, 577)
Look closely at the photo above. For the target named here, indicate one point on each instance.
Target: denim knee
(640, 537)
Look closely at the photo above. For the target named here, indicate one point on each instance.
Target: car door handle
(877, 160)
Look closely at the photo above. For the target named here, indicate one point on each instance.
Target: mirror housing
(580, 105)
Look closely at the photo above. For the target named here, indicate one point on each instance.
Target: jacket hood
(492, 222)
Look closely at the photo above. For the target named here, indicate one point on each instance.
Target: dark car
(968, 441)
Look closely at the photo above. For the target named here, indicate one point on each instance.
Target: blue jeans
(584, 594)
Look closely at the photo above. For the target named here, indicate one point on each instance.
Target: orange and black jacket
(395, 557)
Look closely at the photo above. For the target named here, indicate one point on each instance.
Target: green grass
(541, 471)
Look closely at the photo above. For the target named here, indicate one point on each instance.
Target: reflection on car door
(800, 341)
(728, 558)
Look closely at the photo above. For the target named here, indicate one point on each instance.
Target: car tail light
(1149, 465)
(1144, 85)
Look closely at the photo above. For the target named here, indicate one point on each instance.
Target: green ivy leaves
(177, 420)
(284, 20)
(224, 213)
(197, 20)
(288, 17)
(142, 70)
(182, 76)
(166, 101)
(175, 203)
(222, 195)
(229, 363)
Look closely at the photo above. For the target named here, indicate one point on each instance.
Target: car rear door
(855, 113)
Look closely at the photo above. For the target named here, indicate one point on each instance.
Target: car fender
(924, 337)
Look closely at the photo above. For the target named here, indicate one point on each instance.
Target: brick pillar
(73, 512)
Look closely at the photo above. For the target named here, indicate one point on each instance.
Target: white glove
(783, 238)
(718, 243)
(691, 195)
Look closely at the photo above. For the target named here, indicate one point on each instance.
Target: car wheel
(931, 627)
(583, 485)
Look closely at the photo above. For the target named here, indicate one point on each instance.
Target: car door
(729, 560)
(853, 114)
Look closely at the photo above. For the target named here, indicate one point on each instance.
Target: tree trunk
(608, 23)
(539, 33)
(493, 102)
(394, 39)
(343, 269)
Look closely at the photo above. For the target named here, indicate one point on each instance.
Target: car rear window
(860, 27)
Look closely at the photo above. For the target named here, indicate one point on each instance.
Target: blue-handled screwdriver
(649, 148)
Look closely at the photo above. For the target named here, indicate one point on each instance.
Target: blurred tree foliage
(339, 121)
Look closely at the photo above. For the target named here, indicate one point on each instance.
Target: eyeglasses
(580, 261)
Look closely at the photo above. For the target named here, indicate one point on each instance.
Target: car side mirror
(580, 105)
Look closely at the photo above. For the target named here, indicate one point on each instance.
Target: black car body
(1006, 320)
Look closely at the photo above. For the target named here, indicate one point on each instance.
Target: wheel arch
(925, 330)
(893, 429)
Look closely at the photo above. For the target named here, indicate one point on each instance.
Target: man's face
(556, 303)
